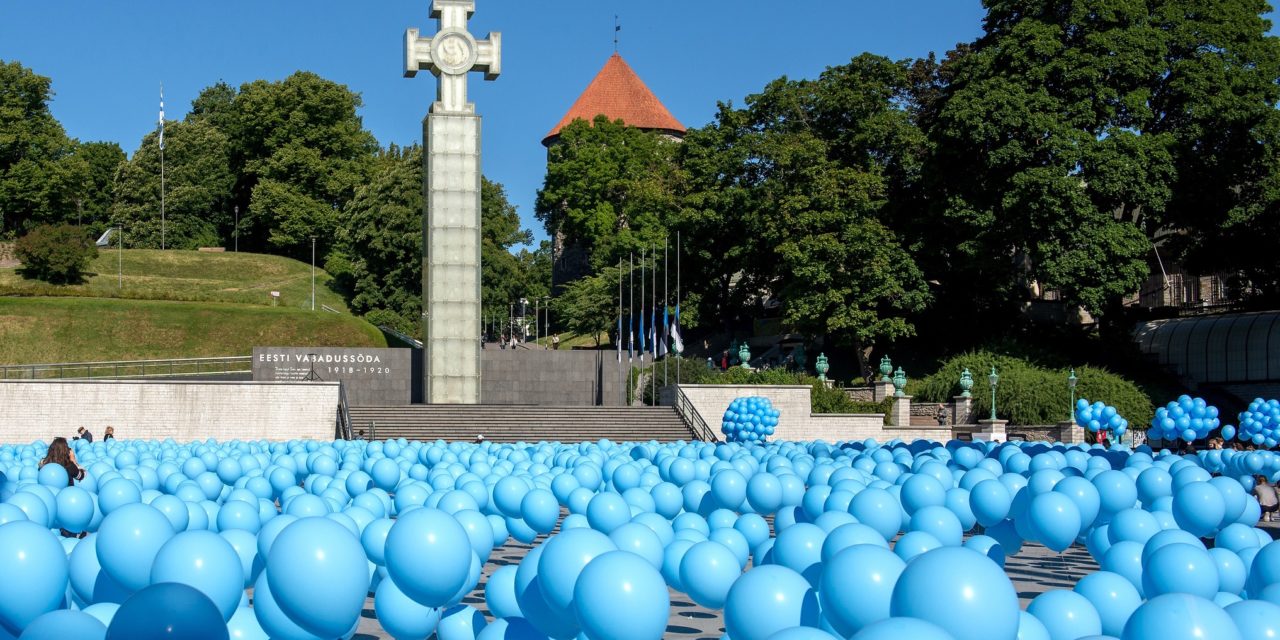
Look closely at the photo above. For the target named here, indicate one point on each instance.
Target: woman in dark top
(60, 453)
(110, 434)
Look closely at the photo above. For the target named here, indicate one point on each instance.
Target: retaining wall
(183, 410)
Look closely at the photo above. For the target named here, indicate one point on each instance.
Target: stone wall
(796, 420)
(552, 377)
(373, 377)
(184, 411)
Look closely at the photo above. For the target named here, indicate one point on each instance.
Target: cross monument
(451, 186)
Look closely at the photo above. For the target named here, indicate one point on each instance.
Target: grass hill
(173, 304)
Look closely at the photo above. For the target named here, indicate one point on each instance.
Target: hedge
(1027, 394)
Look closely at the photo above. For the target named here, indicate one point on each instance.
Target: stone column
(451, 257)
(881, 389)
(901, 416)
(991, 430)
(1070, 433)
(961, 410)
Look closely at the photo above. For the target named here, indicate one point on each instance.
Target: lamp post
(993, 379)
(1071, 384)
(237, 233)
(313, 273)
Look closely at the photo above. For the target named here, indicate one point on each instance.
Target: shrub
(55, 254)
(822, 399)
(1028, 394)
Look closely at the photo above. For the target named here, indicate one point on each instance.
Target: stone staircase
(513, 423)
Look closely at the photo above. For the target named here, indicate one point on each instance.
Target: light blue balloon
(35, 568)
(428, 555)
(961, 589)
(769, 599)
(128, 541)
(1180, 616)
(857, 585)
(533, 603)
(1134, 525)
(799, 548)
(244, 625)
(608, 511)
(987, 546)
(879, 510)
(562, 560)
(707, 570)
(900, 628)
(400, 616)
(848, 535)
(922, 490)
(205, 561)
(540, 510)
(1030, 628)
(1232, 572)
(274, 621)
(75, 507)
(460, 623)
(1055, 519)
(1255, 618)
(500, 593)
(1067, 615)
(1113, 597)
(1198, 507)
(319, 575)
(1180, 568)
(621, 595)
(59, 625)
(915, 543)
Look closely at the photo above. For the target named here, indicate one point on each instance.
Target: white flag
(161, 121)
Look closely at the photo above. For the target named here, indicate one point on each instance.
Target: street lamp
(237, 233)
(993, 379)
(1071, 384)
(313, 273)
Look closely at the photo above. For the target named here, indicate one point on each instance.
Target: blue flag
(677, 342)
(653, 334)
(642, 348)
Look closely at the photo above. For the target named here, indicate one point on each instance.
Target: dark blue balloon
(168, 610)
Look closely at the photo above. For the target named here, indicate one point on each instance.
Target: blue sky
(107, 59)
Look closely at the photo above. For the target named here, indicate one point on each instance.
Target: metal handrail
(344, 413)
(126, 368)
(692, 419)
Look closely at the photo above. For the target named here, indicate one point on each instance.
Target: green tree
(103, 161)
(59, 254)
(1074, 133)
(377, 257)
(40, 175)
(788, 198)
(298, 151)
(609, 191)
(589, 305)
(197, 186)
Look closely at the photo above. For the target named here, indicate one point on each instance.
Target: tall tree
(103, 161)
(788, 198)
(377, 256)
(609, 190)
(197, 189)
(298, 150)
(40, 175)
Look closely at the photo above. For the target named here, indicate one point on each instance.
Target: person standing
(109, 434)
(1267, 499)
(555, 341)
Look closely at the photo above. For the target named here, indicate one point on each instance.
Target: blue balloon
(59, 625)
(1180, 568)
(990, 501)
(35, 568)
(1067, 615)
(899, 628)
(319, 575)
(562, 560)
(460, 623)
(1113, 597)
(879, 510)
(428, 555)
(1055, 519)
(128, 541)
(960, 589)
(799, 548)
(167, 610)
(608, 511)
(500, 593)
(922, 490)
(1134, 525)
(621, 595)
(244, 625)
(273, 621)
(857, 585)
(206, 562)
(1232, 572)
(769, 599)
(540, 510)
(1180, 616)
(939, 522)
(400, 616)
(1255, 618)
(707, 570)
(1198, 507)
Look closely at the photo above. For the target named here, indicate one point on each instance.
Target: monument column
(451, 189)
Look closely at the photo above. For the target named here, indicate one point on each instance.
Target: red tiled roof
(617, 92)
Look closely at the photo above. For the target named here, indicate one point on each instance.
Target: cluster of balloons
(1100, 416)
(790, 540)
(1259, 424)
(749, 419)
(1186, 418)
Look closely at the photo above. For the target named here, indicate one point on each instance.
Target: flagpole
(653, 305)
(680, 356)
(631, 312)
(162, 244)
(618, 347)
(642, 305)
(666, 327)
